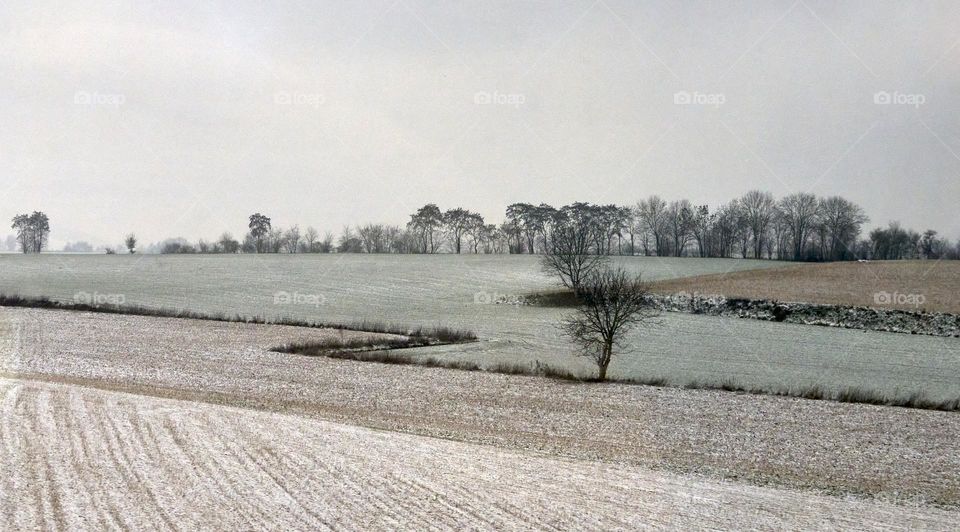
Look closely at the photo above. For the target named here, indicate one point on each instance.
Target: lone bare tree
(612, 302)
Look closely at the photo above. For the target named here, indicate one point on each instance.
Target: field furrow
(296, 473)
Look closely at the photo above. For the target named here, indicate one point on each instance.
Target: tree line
(798, 227)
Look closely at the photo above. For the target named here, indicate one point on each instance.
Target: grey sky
(181, 118)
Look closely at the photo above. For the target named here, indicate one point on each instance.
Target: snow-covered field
(75, 458)
(458, 290)
(882, 452)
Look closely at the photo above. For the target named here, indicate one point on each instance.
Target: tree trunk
(602, 371)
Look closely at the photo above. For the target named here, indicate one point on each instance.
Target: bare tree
(131, 242)
(612, 302)
(799, 213)
(569, 254)
(653, 214)
(310, 237)
(291, 239)
(758, 210)
(842, 220)
(227, 244)
(679, 223)
(326, 245)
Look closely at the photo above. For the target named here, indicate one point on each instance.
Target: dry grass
(839, 283)
(419, 335)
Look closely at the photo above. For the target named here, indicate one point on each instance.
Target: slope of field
(935, 285)
(881, 451)
(457, 291)
(79, 458)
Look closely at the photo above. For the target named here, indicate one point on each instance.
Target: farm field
(458, 291)
(839, 283)
(84, 458)
(86, 396)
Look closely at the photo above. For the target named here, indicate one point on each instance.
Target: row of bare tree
(799, 226)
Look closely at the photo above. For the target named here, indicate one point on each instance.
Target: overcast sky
(182, 118)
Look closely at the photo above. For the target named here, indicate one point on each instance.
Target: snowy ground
(77, 458)
(126, 421)
(457, 291)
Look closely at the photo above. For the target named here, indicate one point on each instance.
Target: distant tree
(842, 221)
(458, 223)
(701, 227)
(326, 245)
(570, 253)
(653, 213)
(311, 240)
(758, 209)
(227, 244)
(21, 224)
(349, 242)
(426, 224)
(679, 224)
(131, 242)
(373, 238)
(612, 302)
(32, 231)
(799, 212)
(291, 239)
(259, 230)
(77, 247)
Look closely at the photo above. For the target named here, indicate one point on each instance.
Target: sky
(182, 118)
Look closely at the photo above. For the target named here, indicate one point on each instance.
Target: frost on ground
(79, 458)
(655, 455)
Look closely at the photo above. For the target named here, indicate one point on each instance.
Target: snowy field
(458, 291)
(78, 458)
(132, 422)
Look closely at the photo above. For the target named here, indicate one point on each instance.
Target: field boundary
(940, 324)
(386, 355)
(442, 334)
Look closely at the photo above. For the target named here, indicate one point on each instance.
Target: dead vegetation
(417, 334)
(872, 284)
